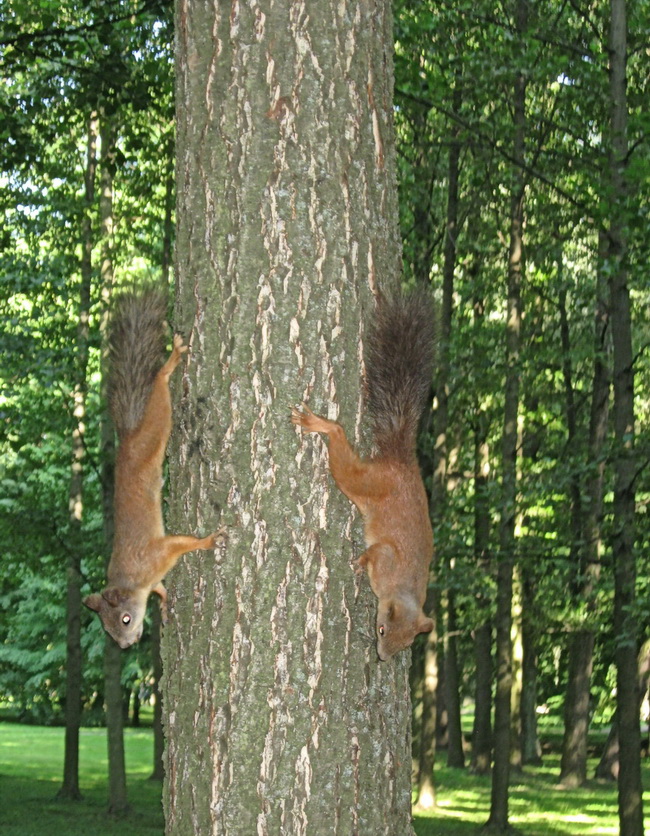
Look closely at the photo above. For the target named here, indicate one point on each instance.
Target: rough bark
(279, 717)
(498, 819)
(73, 667)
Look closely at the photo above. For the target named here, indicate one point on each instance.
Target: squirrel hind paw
(220, 536)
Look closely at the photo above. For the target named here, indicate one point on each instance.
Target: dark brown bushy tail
(399, 369)
(136, 343)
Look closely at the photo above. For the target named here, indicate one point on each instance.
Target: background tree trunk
(113, 692)
(630, 794)
(498, 819)
(73, 676)
(573, 766)
(279, 717)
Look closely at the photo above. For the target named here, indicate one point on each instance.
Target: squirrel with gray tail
(140, 406)
(387, 487)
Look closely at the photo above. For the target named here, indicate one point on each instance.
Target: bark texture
(279, 717)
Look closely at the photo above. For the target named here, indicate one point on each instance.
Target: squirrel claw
(220, 536)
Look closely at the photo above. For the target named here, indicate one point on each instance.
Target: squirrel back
(399, 367)
(136, 343)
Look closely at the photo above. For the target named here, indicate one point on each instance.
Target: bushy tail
(136, 344)
(399, 369)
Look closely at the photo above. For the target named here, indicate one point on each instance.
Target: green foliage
(64, 63)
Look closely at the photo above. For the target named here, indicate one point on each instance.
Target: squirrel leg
(357, 479)
(151, 437)
(171, 547)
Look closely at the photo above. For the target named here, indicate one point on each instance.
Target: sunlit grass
(537, 805)
(31, 771)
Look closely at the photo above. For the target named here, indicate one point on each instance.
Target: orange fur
(387, 488)
(142, 553)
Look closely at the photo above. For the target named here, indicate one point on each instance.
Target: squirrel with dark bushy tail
(387, 487)
(140, 406)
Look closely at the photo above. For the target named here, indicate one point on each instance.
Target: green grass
(537, 806)
(31, 770)
(31, 760)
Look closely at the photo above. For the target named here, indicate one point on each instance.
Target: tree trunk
(531, 749)
(73, 666)
(630, 802)
(482, 731)
(113, 693)
(498, 819)
(609, 763)
(279, 717)
(573, 766)
(426, 785)
(158, 772)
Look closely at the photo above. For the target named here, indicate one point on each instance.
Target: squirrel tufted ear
(112, 596)
(424, 625)
(93, 602)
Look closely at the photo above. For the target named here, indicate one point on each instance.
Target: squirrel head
(398, 623)
(121, 613)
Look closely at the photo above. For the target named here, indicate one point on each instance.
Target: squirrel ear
(93, 602)
(424, 625)
(112, 596)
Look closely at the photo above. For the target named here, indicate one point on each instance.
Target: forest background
(88, 194)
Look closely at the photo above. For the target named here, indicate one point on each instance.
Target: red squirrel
(387, 487)
(140, 406)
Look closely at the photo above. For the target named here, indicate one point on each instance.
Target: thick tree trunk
(498, 819)
(630, 794)
(608, 765)
(73, 671)
(279, 716)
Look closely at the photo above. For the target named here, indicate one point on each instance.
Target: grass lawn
(31, 770)
(537, 806)
(31, 759)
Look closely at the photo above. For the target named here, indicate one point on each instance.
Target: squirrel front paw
(303, 417)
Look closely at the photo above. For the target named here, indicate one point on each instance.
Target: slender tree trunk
(425, 792)
(482, 732)
(498, 819)
(158, 772)
(113, 692)
(426, 786)
(279, 716)
(531, 750)
(573, 766)
(70, 786)
(630, 800)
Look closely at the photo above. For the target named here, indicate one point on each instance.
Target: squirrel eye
(381, 630)
(126, 618)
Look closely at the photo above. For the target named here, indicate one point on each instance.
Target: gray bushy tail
(399, 367)
(136, 341)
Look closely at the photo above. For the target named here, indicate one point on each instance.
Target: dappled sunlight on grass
(537, 806)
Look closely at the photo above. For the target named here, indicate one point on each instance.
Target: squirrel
(387, 487)
(140, 406)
